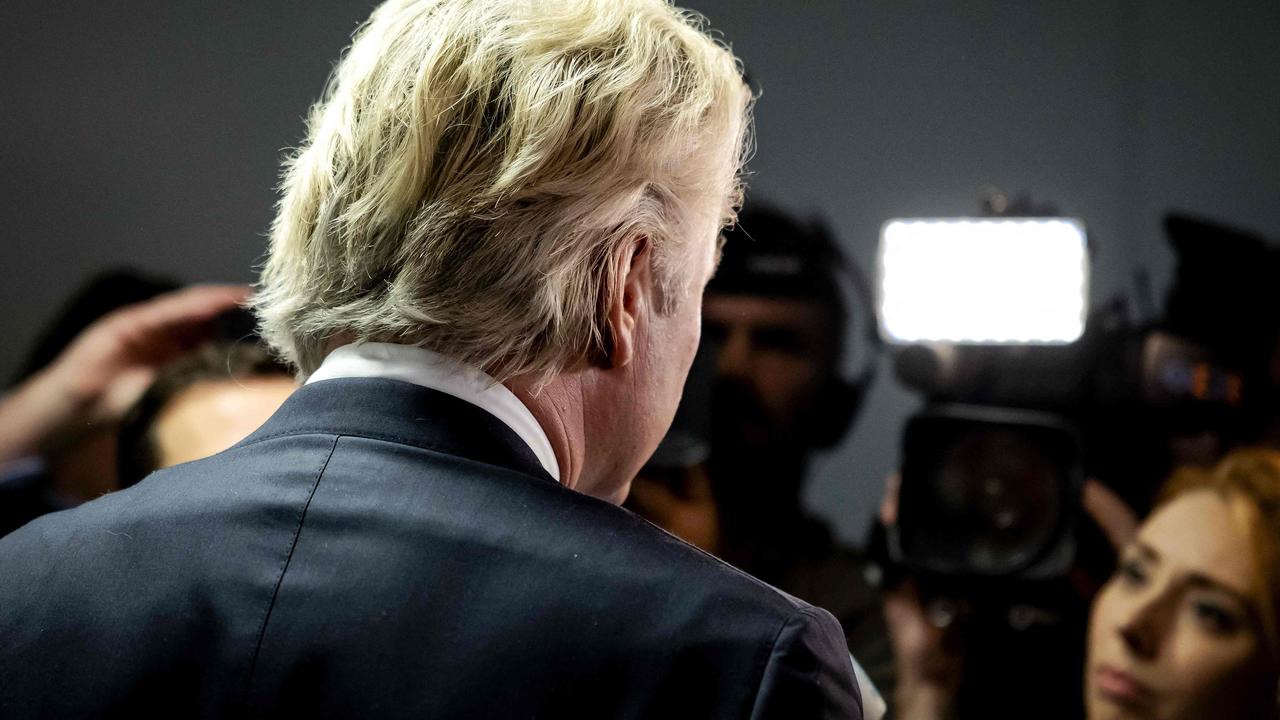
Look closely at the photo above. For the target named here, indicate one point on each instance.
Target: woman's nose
(1145, 623)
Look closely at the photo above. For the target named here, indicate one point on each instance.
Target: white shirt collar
(438, 372)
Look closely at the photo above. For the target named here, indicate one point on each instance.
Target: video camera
(1025, 389)
(1027, 393)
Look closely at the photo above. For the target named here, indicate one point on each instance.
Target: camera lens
(995, 503)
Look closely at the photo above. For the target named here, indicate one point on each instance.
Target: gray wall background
(147, 133)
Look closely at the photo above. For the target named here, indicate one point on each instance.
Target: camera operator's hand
(1117, 520)
(105, 369)
(928, 658)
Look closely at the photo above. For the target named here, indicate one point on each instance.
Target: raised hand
(104, 370)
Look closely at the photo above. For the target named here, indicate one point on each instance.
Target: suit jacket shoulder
(383, 550)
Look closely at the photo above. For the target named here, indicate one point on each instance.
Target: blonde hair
(1249, 480)
(471, 176)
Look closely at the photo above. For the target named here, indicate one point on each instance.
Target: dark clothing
(26, 494)
(378, 549)
(800, 556)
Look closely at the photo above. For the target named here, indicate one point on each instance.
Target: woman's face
(1176, 633)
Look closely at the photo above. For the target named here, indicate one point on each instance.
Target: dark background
(148, 133)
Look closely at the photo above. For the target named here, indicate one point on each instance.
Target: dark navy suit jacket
(382, 550)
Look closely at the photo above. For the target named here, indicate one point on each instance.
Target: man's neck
(557, 406)
(574, 411)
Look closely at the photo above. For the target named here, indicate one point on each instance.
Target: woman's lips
(1121, 686)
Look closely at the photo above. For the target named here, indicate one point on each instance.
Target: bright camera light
(983, 281)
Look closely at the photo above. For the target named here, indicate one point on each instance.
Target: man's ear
(631, 297)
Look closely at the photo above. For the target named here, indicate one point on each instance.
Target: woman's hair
(476, 166)
(1248, 479)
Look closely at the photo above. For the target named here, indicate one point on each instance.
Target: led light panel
(983, 280)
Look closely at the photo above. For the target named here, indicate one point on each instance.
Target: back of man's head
(475, 166)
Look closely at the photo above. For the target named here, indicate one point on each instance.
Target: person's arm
(104, 370)
(808, 674)
(927, 660)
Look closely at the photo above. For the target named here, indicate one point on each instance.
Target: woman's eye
(1215, 617)
(1132, 572)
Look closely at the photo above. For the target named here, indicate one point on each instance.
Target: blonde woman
(1186, 629)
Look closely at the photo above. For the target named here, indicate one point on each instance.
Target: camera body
(988, 493)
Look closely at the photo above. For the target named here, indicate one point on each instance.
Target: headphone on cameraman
(841, 398)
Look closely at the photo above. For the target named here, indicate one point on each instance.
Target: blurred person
(771, 395)
(487, 264)
(58, 422)
(200, 405)
(776, 321)
(1186, 628)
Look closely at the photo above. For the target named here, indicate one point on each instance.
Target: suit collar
(404, 413)
(424, 367)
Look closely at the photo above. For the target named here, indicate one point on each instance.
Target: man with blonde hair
(487, 264)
